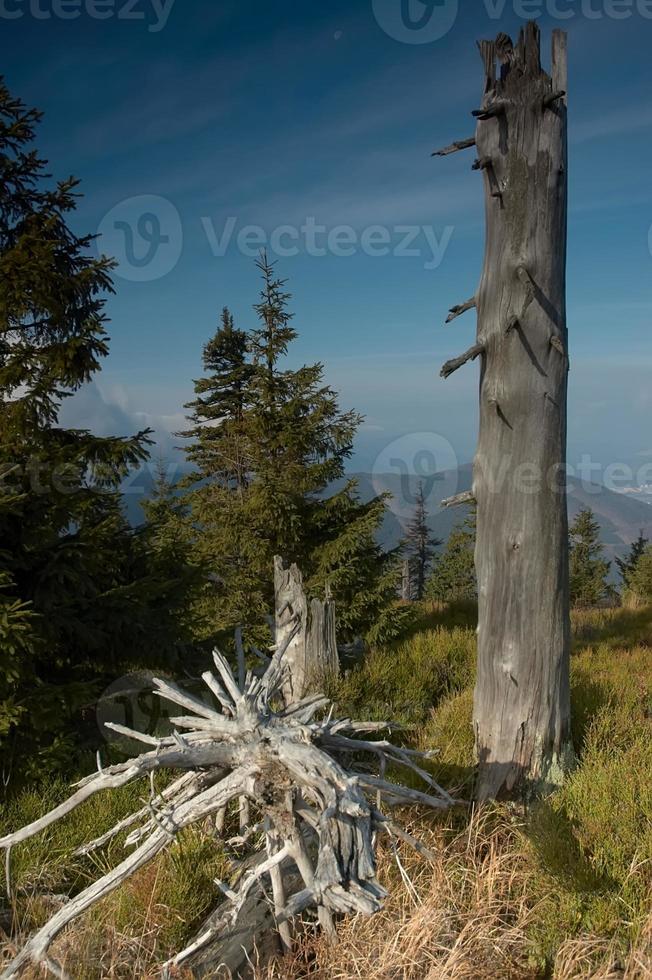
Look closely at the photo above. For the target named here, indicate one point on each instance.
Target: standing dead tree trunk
(522, 709)
(406, 582)
(307, 627)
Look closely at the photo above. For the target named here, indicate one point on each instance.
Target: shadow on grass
(550, 832)
(455, 778)
(617, 628)
(588, 697)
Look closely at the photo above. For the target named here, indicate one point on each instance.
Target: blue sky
(278, 113)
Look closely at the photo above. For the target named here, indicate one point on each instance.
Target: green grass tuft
(403, 683)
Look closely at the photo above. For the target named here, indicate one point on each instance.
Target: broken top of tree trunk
(311, 656)
(522, 712)
(300, 769)
(521, 71)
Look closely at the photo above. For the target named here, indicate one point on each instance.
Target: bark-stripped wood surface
(309, 625)
(522, 707)
(315, 805)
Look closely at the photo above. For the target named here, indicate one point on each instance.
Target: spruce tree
(164, 507)
(218, 448)
(640, 583)
(588, 569)
(267, 442)
(166, 538)
(346, 558)
(78, 601)
(300, 438)
(219, 501)
(420, 546)
(454, 578)
(627, 566)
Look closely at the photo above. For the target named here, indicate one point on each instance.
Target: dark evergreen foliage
(267, 442)
(627, 566)
(81, 599)
(454, 578)
(421, 546)
(588, 569)
(640, 583)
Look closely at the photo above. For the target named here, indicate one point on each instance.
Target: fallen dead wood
(314, 807)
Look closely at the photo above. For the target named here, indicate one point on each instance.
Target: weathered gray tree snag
(458, 500)
(308, 630)
(406, 581)
(522, 709)
(317, 806)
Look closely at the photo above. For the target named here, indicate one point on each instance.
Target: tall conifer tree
(588, 568)
(639, 588)
(218, 448)
(221, 454)
(286, 425)
(627, 566)
(454, 578)
(78, 598)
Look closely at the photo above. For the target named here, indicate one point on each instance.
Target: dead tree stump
(308, 629)
(522, 703)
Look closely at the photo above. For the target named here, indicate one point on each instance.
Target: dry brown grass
(594, 957)
(464, 915)
(468, 915)
(96, 946)
(564, 893)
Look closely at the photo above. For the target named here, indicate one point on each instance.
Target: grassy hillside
(563, 889)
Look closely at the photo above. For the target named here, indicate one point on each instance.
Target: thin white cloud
(606, 125)
(112, 411)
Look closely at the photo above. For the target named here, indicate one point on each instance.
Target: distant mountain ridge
(621, 516)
